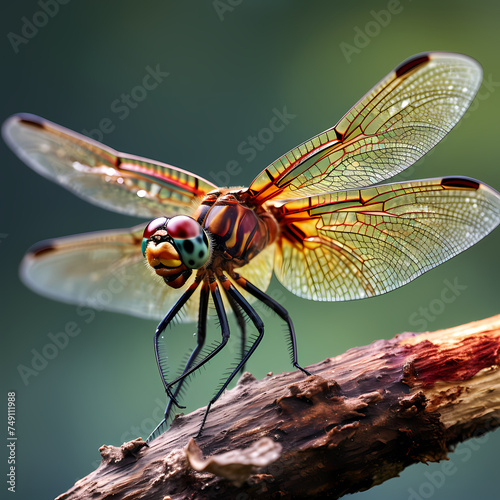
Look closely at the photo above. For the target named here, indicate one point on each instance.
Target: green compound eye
(190, 240)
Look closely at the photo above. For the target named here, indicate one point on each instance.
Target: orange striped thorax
(238, 232)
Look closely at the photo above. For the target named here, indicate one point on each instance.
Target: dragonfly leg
(161, 327)
(241, 324)
(279, 310)
(248, 309)
(221, 314)
(201, 336)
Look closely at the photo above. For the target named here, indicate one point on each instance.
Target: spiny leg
(278, 309)
(242, 325)
(221, 314)
(200, 341)
(164, 323)
(161, 327)
(241, 301)
(201, 335)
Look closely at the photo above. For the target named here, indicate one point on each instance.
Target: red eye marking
(182, 226)
(153, 226)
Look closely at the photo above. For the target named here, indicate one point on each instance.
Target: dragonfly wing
(98, 174)
(356, 244)
(103, 270)
(390, 128)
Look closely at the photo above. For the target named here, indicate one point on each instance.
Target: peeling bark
(359, 420)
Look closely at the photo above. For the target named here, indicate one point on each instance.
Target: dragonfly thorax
(238, 232)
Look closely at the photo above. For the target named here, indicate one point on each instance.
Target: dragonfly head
(174, 247)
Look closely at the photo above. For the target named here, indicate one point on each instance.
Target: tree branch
(359, 420)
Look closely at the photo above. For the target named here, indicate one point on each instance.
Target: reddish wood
(359, 420)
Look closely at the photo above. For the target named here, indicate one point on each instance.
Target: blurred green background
(230, 63)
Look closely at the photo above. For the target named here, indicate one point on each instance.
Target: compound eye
(190, 240)
(153, 226)
(182, 226)
(151, 229)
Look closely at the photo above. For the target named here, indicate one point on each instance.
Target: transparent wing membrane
(386, 131)
(98, 174)
(356, 244)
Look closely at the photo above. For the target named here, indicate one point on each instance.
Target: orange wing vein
(123, 183)
(356, 244)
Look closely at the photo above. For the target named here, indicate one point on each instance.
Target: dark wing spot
(188, 246)
(191, 262)
(411, 63)
(199, 239)
(41, 248)
(30, 120)
(460, 182)
(201, 254)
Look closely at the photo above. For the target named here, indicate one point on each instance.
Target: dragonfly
(319, 217)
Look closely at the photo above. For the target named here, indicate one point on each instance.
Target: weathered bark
(359, 420)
